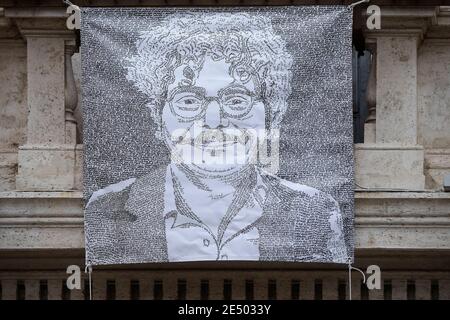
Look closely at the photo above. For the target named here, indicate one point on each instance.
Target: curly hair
(247, 42)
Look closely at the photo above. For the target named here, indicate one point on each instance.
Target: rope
(350, 267)
(88, 270)
(351, 6)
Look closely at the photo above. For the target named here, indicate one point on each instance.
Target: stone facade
(402, 212)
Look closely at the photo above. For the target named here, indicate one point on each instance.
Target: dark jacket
(128, 226)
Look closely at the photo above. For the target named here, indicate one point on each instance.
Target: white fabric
(194, 242)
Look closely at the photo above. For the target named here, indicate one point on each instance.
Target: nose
(213, 118)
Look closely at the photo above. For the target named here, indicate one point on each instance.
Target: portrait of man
(217, 88)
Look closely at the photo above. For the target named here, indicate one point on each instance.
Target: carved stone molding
(384, 220)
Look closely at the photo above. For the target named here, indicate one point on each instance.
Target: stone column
(71, 97)
(390, 157)
(47, 159)
(397, 88)
(370, 123)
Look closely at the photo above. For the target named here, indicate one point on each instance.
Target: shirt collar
(245, 217)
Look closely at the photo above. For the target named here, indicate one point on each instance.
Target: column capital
(66, 35)
(404, 22)
(40, 22)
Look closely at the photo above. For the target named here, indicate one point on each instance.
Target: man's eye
(237, 102)
(188, 103)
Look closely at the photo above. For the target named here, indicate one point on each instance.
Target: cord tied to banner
(88, 270)
(350, 267)
(68, 2)
(351, 6)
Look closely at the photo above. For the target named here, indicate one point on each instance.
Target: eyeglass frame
(206, 100)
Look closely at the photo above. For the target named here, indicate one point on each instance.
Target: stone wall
(402, 214)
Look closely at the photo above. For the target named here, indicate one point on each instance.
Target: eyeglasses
(190, 103)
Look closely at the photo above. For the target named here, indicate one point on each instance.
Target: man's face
(212, 115)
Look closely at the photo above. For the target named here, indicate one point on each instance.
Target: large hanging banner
(218, 134)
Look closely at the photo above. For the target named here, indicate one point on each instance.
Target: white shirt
(195, 233)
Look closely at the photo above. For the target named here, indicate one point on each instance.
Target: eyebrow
(235, 89)
(188, 89)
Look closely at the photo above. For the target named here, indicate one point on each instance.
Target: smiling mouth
(217, 139)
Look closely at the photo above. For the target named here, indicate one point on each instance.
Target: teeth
(213, 136)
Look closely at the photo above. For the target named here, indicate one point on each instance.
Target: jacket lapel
(146, 203)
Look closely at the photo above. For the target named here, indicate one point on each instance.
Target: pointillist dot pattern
(304, 213)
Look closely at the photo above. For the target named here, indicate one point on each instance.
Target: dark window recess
(227, 289)
(86, 289)
(387, 290)
(364, 291)
(20, 290)
(43, 290)
(134, 290)
(342, 290)
(158, 290)
(249, 290)
(434, 290)
(204, 289)
(181, 289)
(410, 290)
(361, 69)
(318, 290)
(295, 290)
(65, 292)
(272, 289)
(110, 290)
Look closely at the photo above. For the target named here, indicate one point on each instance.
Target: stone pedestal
(389, 166)
(46, 167)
